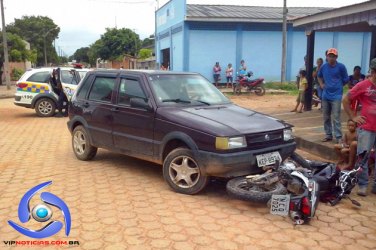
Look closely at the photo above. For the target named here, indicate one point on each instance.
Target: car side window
(102, 89)
(42, 77)
(130, 88)
(67, 76)
(82, 91)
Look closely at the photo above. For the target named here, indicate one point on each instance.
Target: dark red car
(179, 120)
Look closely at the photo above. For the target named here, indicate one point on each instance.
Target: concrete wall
(206, 47)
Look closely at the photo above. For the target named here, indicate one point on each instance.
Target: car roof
(141, 72)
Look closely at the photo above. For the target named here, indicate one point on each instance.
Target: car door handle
(86, 105)
(116, 109)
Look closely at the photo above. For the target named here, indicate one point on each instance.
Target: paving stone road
(117, 202)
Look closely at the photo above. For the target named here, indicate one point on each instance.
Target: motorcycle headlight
(224, 143)
(287, 134)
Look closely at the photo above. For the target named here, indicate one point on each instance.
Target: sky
(82, 22)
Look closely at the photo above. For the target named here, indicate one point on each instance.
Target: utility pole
(284, 42)
(5, 44)
(44, 43)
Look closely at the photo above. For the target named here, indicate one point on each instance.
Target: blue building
(194, 37)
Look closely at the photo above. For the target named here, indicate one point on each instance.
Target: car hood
(221, 120)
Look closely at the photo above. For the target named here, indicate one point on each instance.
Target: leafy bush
(16, 74)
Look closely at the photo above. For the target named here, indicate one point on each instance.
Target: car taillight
(21, 85)
(306, 206)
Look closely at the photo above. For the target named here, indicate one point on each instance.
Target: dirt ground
(269, 103)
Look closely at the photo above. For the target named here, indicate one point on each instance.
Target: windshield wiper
(206, 103)
(177, 100)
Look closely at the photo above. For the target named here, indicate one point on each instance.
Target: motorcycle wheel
(241, 189)
(260, 90)
(300, 160)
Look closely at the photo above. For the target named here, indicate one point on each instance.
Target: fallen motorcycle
(336, 184)
(288, 189)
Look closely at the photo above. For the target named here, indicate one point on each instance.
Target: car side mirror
(137, 102)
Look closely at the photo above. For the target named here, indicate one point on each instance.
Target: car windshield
(185, 89)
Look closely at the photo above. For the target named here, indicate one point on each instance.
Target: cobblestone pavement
(117, 202)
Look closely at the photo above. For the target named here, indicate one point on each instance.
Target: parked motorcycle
(288, 189)
(248, 85)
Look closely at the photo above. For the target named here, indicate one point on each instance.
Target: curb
(316, 148)
(6, 96)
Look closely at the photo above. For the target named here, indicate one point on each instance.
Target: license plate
(268, 159)
(280, 204)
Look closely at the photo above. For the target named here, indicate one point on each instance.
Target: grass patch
(290, 87)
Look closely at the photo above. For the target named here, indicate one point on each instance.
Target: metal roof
(363, 8)
(233, 13)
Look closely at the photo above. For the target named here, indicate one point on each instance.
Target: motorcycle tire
(260, 90)
(239, 188)
(300, 160)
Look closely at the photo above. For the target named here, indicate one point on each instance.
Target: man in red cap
(365, 93)
(332, 76)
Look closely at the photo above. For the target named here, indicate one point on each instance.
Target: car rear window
(42, 77)
(102, 89)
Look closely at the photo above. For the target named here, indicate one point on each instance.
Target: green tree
(148, 42)
(35, 29)
(81, 55)
(117, 42)
(145, 53)
(17, 51)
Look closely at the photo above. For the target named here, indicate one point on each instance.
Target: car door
(132, 126)
(69, 80)
(97, 110)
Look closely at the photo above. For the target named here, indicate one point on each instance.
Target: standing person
(365, 93)
(303, 85)
(304, 67)
(217, 73)
(356, 77)
(229, 75)
(62, 97)
(316, 84)
(243, 67)
(332, 76)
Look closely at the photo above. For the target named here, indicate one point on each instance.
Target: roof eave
(234, 20)
(344, 11)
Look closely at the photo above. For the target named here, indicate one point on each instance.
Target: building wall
(262, 51)
(206, 47)
(196, 46)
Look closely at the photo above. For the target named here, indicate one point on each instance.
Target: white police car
(35, 91)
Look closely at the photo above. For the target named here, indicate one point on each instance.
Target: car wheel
(81, 145)
(45, 107)
(182, 172)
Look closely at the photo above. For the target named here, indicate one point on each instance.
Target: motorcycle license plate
(280, 204)
(268, 159)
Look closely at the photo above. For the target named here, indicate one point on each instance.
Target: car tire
(241, 189)
(182, 172)
(82, 148)
(45, 107)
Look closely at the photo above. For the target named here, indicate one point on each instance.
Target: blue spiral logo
(42, 213)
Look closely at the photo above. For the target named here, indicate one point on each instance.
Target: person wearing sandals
(332, 76)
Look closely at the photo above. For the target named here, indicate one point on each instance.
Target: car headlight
(230, 142)
(287, 135)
